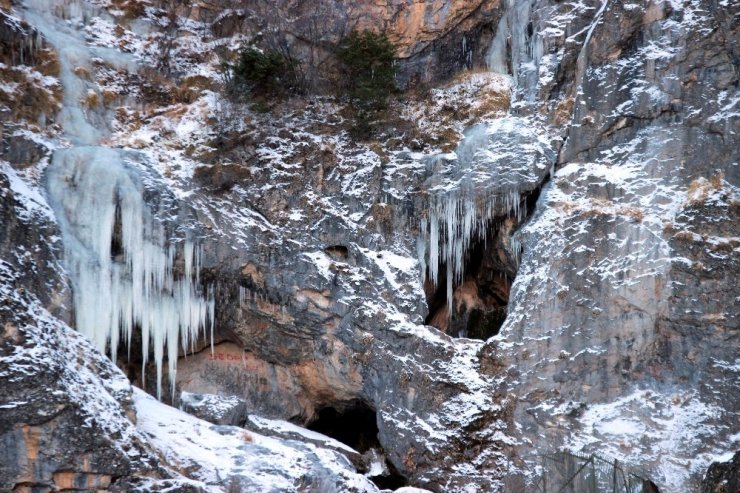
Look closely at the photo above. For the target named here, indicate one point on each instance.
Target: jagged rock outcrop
(619, 335)
(435, 39)
(217, 409)
(62, 424)
(722, 476)
(31, 92)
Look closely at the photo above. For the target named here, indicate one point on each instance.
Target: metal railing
(567, 472)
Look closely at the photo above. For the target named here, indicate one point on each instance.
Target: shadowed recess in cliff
(476, 197)
(480, 300)
(357, 427)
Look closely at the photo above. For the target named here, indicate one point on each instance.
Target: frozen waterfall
(494, 165)
(61, 22)
(122, 260)
(516, 48)
(129, 266)
(483, 180)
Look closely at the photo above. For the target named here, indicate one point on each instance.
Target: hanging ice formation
(60, 22)
(122, 260)
(492, 167)
(128, 269)
(516, 48)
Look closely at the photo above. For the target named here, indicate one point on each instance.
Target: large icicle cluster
(121, 259)
(484, 179)
(492, 167)
(118, 252)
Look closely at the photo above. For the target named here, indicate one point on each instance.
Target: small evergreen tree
(263, 73)
(369, 62)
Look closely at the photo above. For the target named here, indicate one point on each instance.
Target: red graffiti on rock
(246, 363)
(224, 357)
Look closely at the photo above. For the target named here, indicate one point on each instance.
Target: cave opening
(480, 300)
(356, 425)
(649, 487)
(337, 251)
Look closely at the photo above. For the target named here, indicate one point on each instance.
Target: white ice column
(99, 201)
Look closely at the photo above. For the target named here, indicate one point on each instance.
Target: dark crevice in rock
(116, 242)
(722, 476)
(356, 426)
(437, 301)
(650, 487)
(337, 251)
(481, 298)
(391, 481)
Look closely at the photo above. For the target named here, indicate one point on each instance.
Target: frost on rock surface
(487, 176)
(230, 455)
(617, 323)
(621, 331)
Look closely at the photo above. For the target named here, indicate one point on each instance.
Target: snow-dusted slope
(247, 461)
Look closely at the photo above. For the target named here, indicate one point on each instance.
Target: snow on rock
(619, 282)
(65, 408)
(28, 197)
(227, 455)
(319, 244)
(645, 425)
(221, 410)
(286, 428)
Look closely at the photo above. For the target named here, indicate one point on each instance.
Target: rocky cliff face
(612, 302)
(435, 39)
(538, 255)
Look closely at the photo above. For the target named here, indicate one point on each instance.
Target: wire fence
(566, 472)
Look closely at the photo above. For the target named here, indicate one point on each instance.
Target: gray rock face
(617, 299)
(58, 429)
(722, 476)
(435, 39)
(621, 329)
(28, 243)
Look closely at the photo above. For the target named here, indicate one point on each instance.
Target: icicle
(96, 196)
(516, 49)
(113, 295)
(497, 55)
(467, 192)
